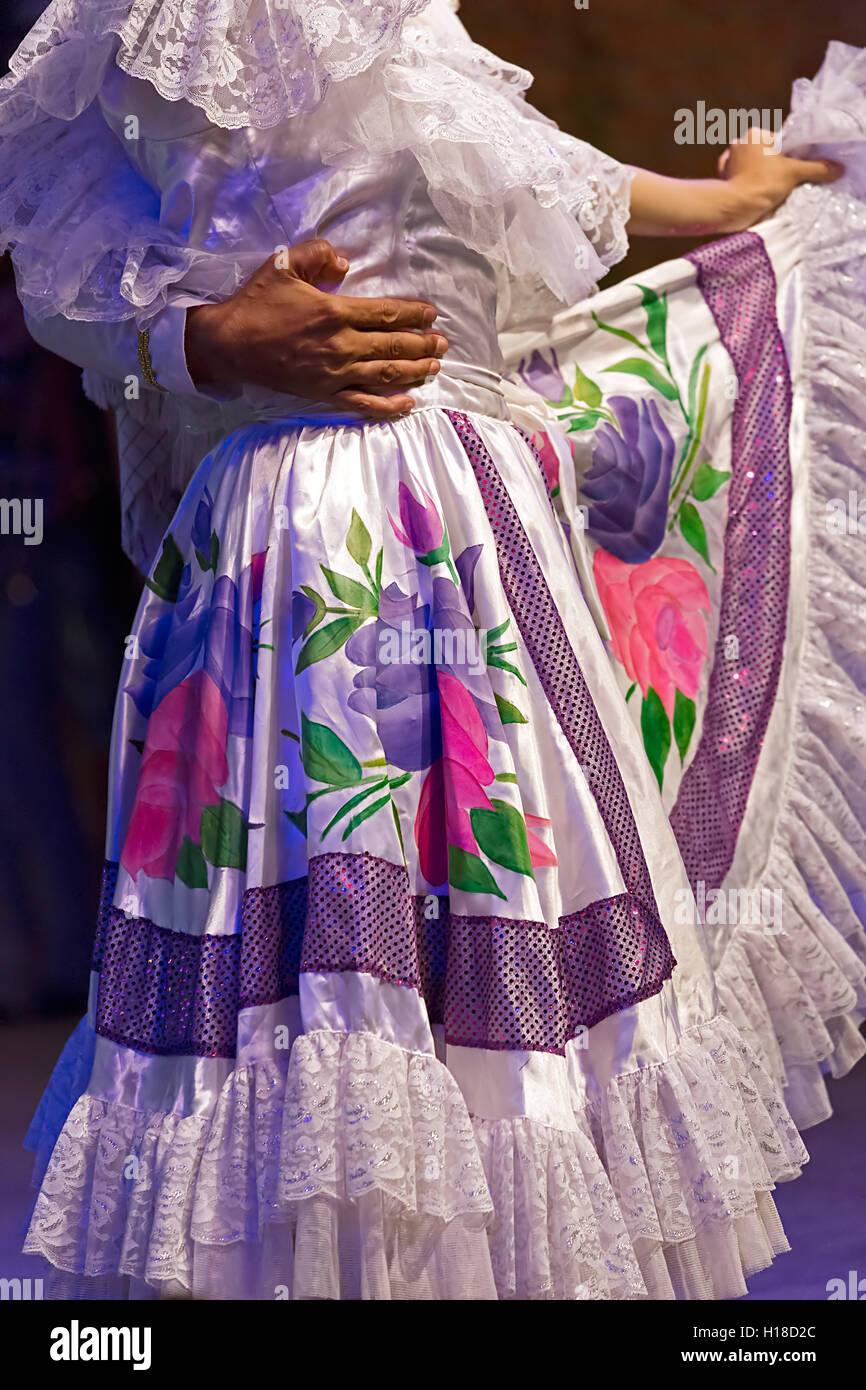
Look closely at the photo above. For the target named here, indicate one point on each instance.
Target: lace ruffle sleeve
(378, 76)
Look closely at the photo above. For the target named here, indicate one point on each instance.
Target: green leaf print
(358, 542)
(169, 568)
(656, 730)
(495, 658)
(353, 802)
(350, 591)
(693, 530)
(636, 366)
(693, 379)
(224, 836)
(321, 609)
(299, 820)
(684, 722)
(501, 834)
(365, 815)
(398, 829)
(191, 868)
(495, 633)
(586, 421)
(618, 332)
(328, 640)
(509, 713)
(707, 481)
(656, 319)
(470, 874)
(325, 756)
(585, 389)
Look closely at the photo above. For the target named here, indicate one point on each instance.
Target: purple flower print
(628, 484)
(208, 628)
(465, 566)
(201, 526)
(423, 529)
(542, 376)
(303, 609)
(401, 696)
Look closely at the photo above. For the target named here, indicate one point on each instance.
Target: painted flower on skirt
(182, 768)
(421, 528)
(465, 566)
(202, 535)
(628, 485)
(543, 376)
(457, 822)
(399, 696)
(541, 855)
(454, 785)
(210, 626)
(657, 614)
(400, 652)
(303, 609)
(549, 461)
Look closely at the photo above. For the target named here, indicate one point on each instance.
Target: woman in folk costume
(707, 452)
(393, 993)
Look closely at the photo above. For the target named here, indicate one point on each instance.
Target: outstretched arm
(755, 181)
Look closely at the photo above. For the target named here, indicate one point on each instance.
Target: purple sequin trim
(556, 665)
(494, 982)
(165, 991)
(737, 281)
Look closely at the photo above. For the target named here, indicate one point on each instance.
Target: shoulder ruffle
(244, 62)
(382, 77)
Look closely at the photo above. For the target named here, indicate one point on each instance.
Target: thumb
(817, 170)
(316, 261)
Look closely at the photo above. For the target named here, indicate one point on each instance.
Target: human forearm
(756, 181)
(662, 206)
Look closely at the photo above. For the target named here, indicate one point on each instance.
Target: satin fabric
(318, 476)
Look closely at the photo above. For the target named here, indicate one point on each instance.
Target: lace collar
(243, 62)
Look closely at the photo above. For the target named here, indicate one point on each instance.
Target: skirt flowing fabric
(398, 990)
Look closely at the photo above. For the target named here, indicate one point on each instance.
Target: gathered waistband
(456, 386)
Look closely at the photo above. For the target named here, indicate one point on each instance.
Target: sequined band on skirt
(736, 278)
(494, 982)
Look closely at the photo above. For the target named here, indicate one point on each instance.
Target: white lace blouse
(154, 152)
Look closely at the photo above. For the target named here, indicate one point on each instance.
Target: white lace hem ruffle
(798, 996)
(357, 1172)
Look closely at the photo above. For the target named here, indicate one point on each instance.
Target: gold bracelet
(144, 360)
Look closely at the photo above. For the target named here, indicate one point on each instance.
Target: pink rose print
(454, 784)
(183, 765)
(657, 614)
(549, 460)
(541, 855)
(453, 788)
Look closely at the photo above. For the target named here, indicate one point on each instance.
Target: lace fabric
(244, 62)
(356, 1171)
(550, 211)
(810, 981)
(129, 1192)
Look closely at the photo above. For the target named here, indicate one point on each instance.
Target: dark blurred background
(613, 73)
